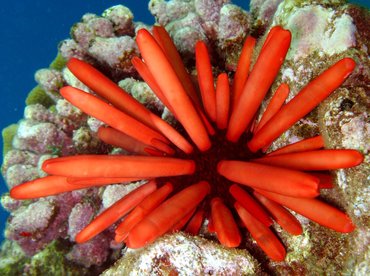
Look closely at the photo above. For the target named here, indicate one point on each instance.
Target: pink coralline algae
(92, 253)
(215, 22)
(53, 128)
(106, 40)
(51, 81)
(263, 11)
(36, 225)
(80, 216)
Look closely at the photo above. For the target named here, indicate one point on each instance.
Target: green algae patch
(8, 134)
(12, 259)
(53, 109)
(58, 63)
(39, 96)
(52, 261)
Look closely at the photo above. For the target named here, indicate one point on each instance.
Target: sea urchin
(224, 172)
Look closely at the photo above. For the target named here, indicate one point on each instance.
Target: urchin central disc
(207, 161)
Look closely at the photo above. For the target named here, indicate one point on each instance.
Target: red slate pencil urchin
(220, 172)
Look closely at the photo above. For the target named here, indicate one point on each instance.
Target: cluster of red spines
(280, 178)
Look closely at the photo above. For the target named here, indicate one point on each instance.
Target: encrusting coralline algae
(40, 233)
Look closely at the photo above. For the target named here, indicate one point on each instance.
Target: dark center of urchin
(206, 164)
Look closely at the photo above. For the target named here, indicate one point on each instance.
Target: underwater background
(30, 32)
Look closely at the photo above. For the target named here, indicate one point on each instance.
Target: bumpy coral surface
(335, 31)
(171, 254)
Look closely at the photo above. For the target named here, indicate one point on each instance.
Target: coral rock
(179, 254)
(33, 218)
(91, 253)
(122, 18)
(81, 215)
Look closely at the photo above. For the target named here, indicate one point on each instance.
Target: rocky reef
(40, 234)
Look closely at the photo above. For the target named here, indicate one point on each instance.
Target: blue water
(30, 32)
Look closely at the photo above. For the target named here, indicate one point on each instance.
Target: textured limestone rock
(179, 254)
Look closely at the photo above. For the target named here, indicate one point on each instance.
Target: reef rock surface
(40, 233)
